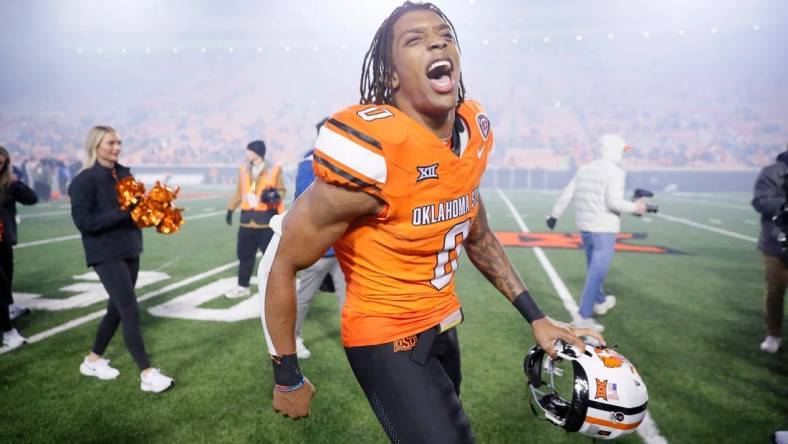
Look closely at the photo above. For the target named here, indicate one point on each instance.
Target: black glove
(229, 217)
(551, 222)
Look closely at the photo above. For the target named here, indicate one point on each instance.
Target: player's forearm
(489, 257)
(280, 308)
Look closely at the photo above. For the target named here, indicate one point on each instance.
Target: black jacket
(108, 233)
(17, 192)
(767, 199)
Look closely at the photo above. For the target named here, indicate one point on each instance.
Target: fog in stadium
(697, 88)
(692, 86)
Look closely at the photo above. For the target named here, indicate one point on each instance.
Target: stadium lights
(316, 48)
(231, 50)
(610, 36)
(147, 50)
(99, 51)
(79, 50)
(485, 42)
(202, 50)
(342, 47)
(646, 34)
(471, 2)
(514, 40)
(547, 39)
(123, 51)
(259, 49)
(578, 37)
(287, 48)
(557, 104)
(756, 28)
(174, 50)
(681, 32)
(713, 30)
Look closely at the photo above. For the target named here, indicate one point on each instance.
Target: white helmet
(608, 396)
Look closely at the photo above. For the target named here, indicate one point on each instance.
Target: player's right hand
(295, 404)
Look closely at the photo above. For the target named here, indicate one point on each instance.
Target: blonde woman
(113, 244)
(12, 190)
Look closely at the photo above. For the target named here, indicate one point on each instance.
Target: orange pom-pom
(172, 221)
(129, 191)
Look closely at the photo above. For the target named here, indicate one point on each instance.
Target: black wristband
(286, 370)
(527, 307)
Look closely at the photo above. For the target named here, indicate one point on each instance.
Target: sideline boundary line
(648, 430)
(53, 240)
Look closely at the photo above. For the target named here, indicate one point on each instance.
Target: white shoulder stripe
(351, 154)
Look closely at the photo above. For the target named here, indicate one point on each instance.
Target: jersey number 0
(447, 258)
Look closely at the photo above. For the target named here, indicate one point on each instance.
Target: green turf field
(691, 322)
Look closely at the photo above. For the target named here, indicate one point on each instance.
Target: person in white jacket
(598, 192)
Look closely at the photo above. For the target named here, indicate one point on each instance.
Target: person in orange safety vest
(260, 194)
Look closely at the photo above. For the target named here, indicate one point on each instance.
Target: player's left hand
(547, 331)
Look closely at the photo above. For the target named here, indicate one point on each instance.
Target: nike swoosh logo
(481, 151)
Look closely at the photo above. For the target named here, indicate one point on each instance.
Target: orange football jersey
(400, 264)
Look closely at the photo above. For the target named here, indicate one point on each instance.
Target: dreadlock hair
(376, 70)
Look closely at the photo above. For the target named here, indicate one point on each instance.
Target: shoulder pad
(383, 124)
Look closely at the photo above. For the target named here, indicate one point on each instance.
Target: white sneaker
(17, 311)
(12, 339)
(99, 368)
(604, 307)
(238, 292)
(588, 323)
(154, 381)
(771, 344)
(301, 351)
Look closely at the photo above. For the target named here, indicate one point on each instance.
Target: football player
(397, 194)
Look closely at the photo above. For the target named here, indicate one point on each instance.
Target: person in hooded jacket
(768, 197)
(598, 192)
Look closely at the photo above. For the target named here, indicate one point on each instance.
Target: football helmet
(604, 395)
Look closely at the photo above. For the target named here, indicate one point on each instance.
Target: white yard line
(711, 203)
(558, 284)
(647, 430)
(97, 314)
(706, 227)
(53, 240)
(43, 214)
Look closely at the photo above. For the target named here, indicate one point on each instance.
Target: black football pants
(415, 393)
(249, 241)
(119, 278)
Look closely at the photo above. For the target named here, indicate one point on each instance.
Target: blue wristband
(290, 388)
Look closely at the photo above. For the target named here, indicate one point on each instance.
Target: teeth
(439, 64)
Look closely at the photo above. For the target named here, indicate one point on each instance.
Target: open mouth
(439, 74)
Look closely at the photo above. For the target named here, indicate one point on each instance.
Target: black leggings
(6, 278)
(249, 241)
(415, 394)
(119, 278)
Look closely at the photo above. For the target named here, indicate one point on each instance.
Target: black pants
(6, 278)
(249, 241)
(119, 278)
(415, 393)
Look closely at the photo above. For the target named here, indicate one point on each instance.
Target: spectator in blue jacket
(310, 279)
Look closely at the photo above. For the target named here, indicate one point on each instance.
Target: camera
(641, 193)
(271, 196)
